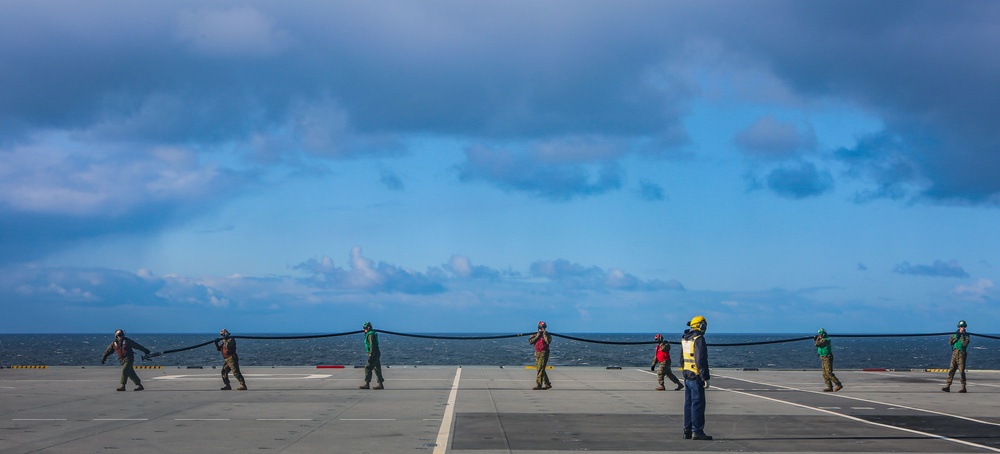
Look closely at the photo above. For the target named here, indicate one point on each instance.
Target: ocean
(399, 350)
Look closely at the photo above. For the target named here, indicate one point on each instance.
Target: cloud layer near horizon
(326, 297)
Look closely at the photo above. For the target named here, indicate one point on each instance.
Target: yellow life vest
(687, 355)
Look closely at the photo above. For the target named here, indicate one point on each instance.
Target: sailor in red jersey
(663, 359)
(541, 340)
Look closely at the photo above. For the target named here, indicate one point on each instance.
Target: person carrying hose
(825, 351)
(959, 352)
(227, 346)
(374, 362)
(663, 359)
(124, 347)
(541, 340)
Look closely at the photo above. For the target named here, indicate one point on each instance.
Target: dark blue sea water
(850, 353)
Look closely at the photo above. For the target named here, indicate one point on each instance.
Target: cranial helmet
(658, 337)
(821, 332)
(542, 325)
(962, 324)
(224, 332)
(699, 323)
(367, 325)
(120, 333)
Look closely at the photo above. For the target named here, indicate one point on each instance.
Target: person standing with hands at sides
(825, 351)
(694, 364)
(374, 358)
(959, 352)
(227, 345)
(124, 347)
(541, 340)
(663, 359)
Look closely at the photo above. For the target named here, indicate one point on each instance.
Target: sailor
(663, 359)
(374, 358)
(825, 351)
(227, 345)
(541, 340)
(124, 346)
(694, 364)
(959, 351)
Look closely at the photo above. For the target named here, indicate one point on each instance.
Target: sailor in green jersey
(959, 351)
(374, 358)
(825, 351)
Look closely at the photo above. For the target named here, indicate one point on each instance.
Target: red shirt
(541, 345)
(661, 355)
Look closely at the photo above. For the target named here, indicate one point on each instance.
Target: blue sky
(476, 167)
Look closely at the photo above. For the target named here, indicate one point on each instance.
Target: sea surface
(918, 352)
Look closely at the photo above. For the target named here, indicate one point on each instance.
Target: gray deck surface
(309, 410)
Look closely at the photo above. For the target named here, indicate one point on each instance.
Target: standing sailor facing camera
(959, 353)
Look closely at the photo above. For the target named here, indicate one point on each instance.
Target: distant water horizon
(397, 350)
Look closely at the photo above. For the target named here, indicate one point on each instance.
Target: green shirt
(823, 346)
(960, 341)
(371, 341)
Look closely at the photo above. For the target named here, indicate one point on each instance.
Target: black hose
(578, 339)
(428, 336)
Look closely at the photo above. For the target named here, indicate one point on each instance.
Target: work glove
(103, 360)
(652, 368)
(706, 384)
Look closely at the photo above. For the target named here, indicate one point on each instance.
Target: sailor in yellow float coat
(694, 365)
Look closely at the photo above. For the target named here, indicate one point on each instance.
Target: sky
(475, 167)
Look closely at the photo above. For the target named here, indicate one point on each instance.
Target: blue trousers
(694, 406)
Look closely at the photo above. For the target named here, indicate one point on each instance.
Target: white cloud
(980, 291)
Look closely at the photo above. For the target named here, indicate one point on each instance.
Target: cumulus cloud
(538, 174)
(390, 180)
(768, 138)
(448, 68)
(980, 291)
(650, 191)
(881, 162)
(290, 84)
(365, 274)
(99, 287)
(939, 268)
(582, 277)
(51, 197)
(80, 298)
(462, 267)
(799, 181)
(930, 89)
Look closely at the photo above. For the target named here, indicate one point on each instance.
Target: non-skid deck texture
(306, 410)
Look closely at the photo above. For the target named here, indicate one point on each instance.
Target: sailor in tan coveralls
(124, 346)
(541, 340)
(959, 352)
(227, 345)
